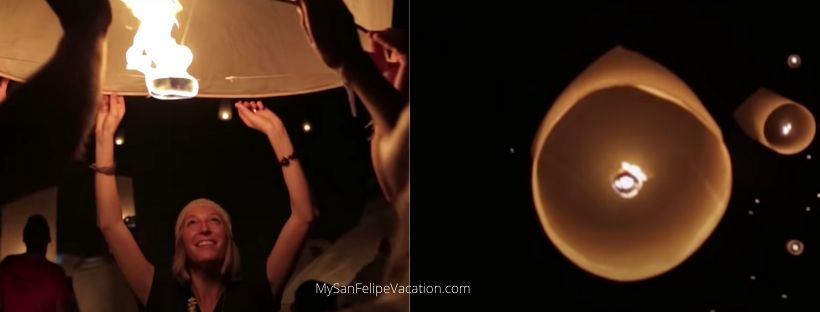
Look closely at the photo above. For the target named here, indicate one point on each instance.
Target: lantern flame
(156, 54)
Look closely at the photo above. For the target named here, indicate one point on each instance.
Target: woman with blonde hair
(206, 260)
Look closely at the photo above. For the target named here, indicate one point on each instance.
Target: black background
(485, 74)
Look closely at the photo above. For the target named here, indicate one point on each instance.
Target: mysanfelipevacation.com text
(377, 289)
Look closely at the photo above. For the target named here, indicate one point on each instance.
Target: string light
(225, 110)
(119, 139)
(794, 61)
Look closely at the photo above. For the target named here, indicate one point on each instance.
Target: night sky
(503, 73)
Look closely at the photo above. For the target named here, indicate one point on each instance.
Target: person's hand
(110, 111)
(331, 30)
(256, 116)
(394, 41)
(83, 17)
(4, 85)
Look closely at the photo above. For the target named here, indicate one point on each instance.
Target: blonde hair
(230, 264)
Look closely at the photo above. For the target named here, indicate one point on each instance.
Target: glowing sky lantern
(630, 174)
(776, 122)
(237, 49)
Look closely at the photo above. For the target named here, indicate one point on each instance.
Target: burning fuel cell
(156, 53)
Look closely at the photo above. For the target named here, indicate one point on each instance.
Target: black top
(249, 294)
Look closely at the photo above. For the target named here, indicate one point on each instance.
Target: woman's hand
(395, 42)
(256, 116)
(110, 111)
(4, 85)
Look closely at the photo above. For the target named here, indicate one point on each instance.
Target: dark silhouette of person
(45, 121)
(28, 281)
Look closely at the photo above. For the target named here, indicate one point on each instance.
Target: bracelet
(285, 161)
(104, 170)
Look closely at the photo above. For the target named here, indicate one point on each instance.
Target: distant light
(119, 137)
(751, 212)
(795, 247)
(818, 195)
(306, 126)
(787, 128)
(808, 208)
(784, 296)
(752, 277)
(808, 156)
(794, 61)
(225, 110)
(512, 150)
(757, 201)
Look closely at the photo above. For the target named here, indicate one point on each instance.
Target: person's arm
(331, 30)
(289, 243)
(44, 122)
(4, 86)
(137, 270)
(395, 41)
(390, 154)
(390, 150)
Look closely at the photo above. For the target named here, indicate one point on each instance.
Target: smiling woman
(204, 274)
(203, 234)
